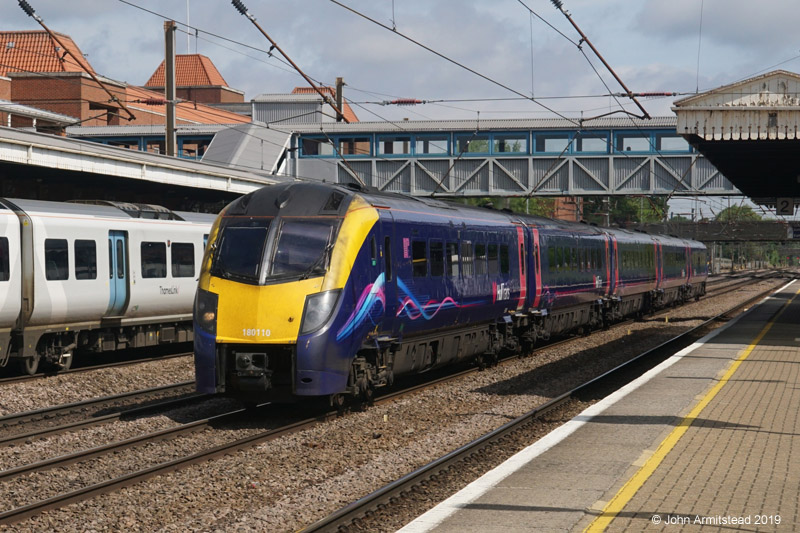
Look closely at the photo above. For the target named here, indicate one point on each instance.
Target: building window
(672, 143)
(85, 259)
(591, 142)
(472, 144)
(510, 144)
(315, 146)
(633, 142)
(554, 143)
(432, 145)
(396, 145)
(154, 260)
(354, 146)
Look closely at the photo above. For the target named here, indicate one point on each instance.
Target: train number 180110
(255, 332)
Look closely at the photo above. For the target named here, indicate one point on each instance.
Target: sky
(680, 46)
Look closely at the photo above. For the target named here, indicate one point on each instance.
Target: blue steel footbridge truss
(511, 157)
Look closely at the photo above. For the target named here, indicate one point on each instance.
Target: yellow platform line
(626, 493)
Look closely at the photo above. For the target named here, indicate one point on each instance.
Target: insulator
(26, 7)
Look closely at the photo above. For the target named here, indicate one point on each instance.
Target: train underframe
(266, 371)
(55, 346)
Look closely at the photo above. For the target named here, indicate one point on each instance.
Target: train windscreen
(302, 248)
(240, 249)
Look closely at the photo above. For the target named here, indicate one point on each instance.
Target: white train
(94, 278)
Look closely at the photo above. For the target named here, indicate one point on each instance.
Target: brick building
(44, 75)
(196, 79)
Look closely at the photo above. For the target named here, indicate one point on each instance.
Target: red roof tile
(190, 71)
(185, 111)
(36, 51)
(348, 112)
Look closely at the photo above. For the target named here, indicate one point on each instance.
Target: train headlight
(205, 311)
(319, 308)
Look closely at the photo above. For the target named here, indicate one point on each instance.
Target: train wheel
(66, 361)
(29, 365)
(339, 402)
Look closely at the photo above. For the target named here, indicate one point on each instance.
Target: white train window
(85, 259)
(5, 268)
(56, 259)
(182, 259)
(154, 260)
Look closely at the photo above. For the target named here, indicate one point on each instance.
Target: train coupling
(251, 371)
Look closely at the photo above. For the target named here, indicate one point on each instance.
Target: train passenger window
(492, 256)
(480, 259)
(419, 258)
(437, 258)
(154, 259)
(505, 261)
(467, 259)
(5, 263)
(452, 259)
(182, 259)
(85, 259)
(56, 259)
(551, 257)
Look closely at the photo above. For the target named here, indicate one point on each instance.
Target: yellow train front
(273, 275)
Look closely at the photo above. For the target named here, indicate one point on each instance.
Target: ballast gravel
(291, 482)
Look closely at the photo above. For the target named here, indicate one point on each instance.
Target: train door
(612, 268)
(386, 236)
(537, 269)
(659, 265)
(118, 272)
(523, 282)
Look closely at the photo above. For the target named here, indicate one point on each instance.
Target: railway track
(369, 512)
(30, 509)
(34, 377)
(20, 427)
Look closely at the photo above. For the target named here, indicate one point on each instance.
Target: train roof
(103, 208)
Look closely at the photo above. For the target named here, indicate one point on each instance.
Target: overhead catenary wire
(26, 7)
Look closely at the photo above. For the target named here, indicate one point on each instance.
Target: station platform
(707, 441)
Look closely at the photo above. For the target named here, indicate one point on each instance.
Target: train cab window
(492, 256)
(437, 258)
(5, 263)
(56, 259)
(85, 259)
(452, 259)
(419, 258)
(467, 259)
(373, 251)
(480, 259)
(182, 259)
(505, 261)
(302, 247)
(240, 248)
(154, 259)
